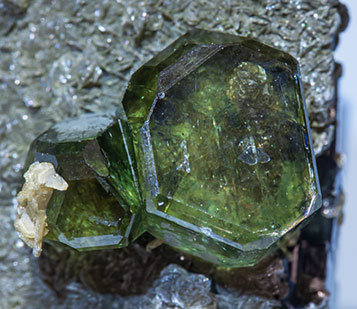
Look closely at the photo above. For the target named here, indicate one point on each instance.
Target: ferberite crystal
(222, 140)
(213, 155)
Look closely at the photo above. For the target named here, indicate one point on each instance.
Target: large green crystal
(93, 155)
(222, 140)
(213, 155)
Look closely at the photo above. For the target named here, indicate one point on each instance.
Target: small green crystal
(91, 153)
(213, 155)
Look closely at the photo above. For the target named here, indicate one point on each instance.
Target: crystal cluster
(213, 155)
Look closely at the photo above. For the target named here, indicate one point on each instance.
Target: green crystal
(222, 141)
(92, 154)
(213, 155)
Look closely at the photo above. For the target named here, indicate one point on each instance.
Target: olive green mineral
(222, 141)
(213, 155)
(93, 156)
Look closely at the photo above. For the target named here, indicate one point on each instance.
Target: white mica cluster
(40, 181)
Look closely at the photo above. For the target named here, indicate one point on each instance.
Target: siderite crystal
(92, 155)
(222, 140)
(213, 155)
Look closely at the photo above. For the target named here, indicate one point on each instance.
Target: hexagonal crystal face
(91, 154)
(222, 137)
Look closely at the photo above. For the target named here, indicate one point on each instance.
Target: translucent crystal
(222, 139)
(92, 155)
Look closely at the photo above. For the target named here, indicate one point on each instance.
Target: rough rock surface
(63, 58)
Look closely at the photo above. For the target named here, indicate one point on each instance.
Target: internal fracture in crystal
(222, 140)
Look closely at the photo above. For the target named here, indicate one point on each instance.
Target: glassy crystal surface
(92, 155)
(222, 141)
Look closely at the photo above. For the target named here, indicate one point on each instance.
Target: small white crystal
(30, 223)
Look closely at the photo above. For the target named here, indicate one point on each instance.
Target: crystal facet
(92, 155)
(221, 135)
(213, 155)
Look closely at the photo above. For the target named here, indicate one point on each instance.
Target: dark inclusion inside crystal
(213, 156)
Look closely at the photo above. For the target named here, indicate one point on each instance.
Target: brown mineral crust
(312, 273)
(267, 279)
(314, 242)
(128, 271)
(103, 271)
